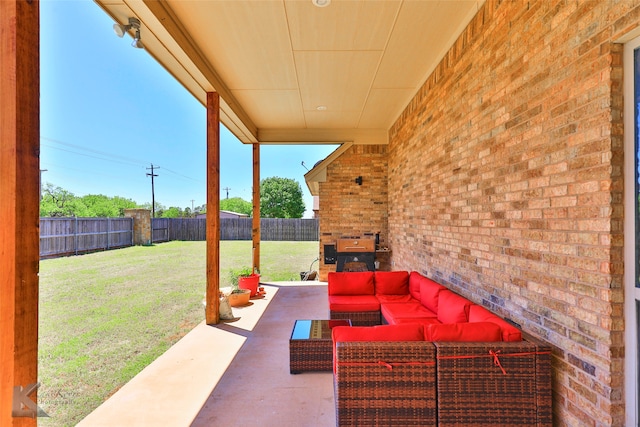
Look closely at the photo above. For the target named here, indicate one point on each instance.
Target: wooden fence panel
(160, 230)
(194, 229)
(72, 236)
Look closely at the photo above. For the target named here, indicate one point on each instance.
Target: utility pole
(153, 194)
(227, 190)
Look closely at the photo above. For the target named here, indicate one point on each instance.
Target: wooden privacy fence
(73, 236)
(286, 229)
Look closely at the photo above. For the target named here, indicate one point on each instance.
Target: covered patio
(490, 144)
(232, 374)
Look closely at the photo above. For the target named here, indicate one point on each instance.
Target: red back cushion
(414, 284)
(478, 313)
(350, 283)
(391, 282)
(429, 291)
(464, 332)
(452, 308)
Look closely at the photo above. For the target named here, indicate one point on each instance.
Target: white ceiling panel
(274, 62)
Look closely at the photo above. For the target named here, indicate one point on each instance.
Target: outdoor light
(134, 23)
(321, 3)
(137, 43)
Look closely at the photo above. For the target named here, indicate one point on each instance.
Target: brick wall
(348, 209)
(505, 184)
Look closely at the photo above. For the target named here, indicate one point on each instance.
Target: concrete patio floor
(231, 374)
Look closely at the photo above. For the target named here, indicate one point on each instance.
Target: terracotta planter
(249, 282)
(239, 299)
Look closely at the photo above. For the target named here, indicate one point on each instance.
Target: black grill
(355, 255)
(360, 261)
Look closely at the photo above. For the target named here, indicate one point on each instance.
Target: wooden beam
(255, 231)
(212, 309)
(19, 203)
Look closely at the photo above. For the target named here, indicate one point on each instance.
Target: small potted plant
(244, 282)
(246, 278)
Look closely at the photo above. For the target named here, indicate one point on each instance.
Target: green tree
(160, 208)
(281, 198)
(236, 204)
(172, 212)
(99, 205)
(57, 202)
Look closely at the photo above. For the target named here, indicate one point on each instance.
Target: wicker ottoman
(310, 345)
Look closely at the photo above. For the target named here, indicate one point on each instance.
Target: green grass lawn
(107, 315)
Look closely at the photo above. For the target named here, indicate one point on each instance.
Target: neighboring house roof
(318, 173)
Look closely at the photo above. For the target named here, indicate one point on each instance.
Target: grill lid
(356, 245)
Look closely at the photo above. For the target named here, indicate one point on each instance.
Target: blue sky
(108, 111)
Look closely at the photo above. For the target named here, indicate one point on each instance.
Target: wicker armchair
(385, 383)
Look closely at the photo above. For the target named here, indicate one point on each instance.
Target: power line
(183, 176)
(109, 157)
(91, 150)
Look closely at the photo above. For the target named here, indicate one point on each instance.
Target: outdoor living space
(491, 146)
(232, 374)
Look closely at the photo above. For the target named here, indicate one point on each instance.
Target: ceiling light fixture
(321, 108)
(134, 23)
(321, 3)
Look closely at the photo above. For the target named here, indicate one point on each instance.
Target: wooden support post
(19, 207)
(212, 309)
(255, 232)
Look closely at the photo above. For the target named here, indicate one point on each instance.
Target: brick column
(141, 225)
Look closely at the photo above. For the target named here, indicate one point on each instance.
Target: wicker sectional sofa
(442, 360)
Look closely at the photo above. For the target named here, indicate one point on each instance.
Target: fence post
(108, 231)
(75, 236)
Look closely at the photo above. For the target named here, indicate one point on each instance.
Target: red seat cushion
(420, 320)
(350, 283)
(410, 332)
(405, 310)
(477, 313)
(395, 298)
(452, 308)
(464, 332)
(353, 303)
(429, 292)
(391, 283)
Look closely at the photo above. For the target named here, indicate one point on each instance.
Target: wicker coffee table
(310, 346)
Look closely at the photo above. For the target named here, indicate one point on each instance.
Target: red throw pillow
(391, 282)
(464, 332)
(452, 308)
(350, 283)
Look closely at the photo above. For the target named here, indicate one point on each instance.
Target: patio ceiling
(290, 72)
